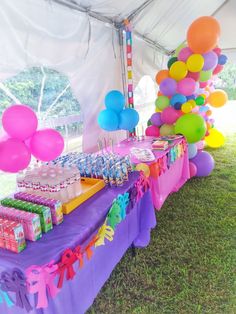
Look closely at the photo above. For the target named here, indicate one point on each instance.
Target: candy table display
(168, 172)
(75, 259)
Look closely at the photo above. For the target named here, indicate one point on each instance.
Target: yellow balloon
(192, 102)
(218, 98)
(186, 107)
(143, 167)
(215, 138)
(178, 70)
(158, 110)
(167, 129)
(195, 62)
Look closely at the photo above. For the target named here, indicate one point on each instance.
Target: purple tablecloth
(168, 182)
(78, 228)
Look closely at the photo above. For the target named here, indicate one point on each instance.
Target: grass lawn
(190, 265)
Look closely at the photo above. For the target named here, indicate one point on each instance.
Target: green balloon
(192, 126)
(205, 76)
(167, 129)
(179, 48)
(162, 102)
(200, 100)
(149, 122)
(171, 61)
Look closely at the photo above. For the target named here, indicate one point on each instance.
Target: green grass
(189, 266)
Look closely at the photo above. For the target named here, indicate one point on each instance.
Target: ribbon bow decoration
(16, 282)
(66, 265)
(123, 201)
(105, 232)
(132, 198)
(40, 280)
(79, 255)
(88, 248)
(5, 297)
(145, 183)
(139, 188)
(114, 215)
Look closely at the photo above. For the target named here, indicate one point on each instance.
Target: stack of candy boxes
(21, 219)
(11, 235)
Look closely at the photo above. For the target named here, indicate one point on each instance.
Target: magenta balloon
(46, 144)
(192, 169)
(19, 121)
(14, 155)
(184, 54)
(156, 119)
(168, 87)
(169, 115)
(152, 130)
(186, 86)
(210, 60)
(204, 163)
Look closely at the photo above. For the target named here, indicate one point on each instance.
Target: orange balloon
(161, 75)
(218, 98)
(159, 94)
(203, 34)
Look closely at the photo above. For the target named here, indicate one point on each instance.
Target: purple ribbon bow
(132, 198)
(16, 282)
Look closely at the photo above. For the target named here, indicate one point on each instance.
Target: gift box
(12, 235)
(43, 211)
(30, 221)
(54, 205)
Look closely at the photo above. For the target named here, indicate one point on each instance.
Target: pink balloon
(200, 145)
(194, 75)
(218, 69)
(14, 155)
(186, 86)
(184, 54)
(46, 144)
(203, 84)
(169, 115)
(192, 169)
(19, 121)
(217, 51)
(152, 130)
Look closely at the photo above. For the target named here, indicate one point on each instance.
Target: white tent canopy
(82, 39)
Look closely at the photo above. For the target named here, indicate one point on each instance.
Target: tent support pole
(122, 60)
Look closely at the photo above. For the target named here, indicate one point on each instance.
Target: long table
(170, 179)
(77, 295)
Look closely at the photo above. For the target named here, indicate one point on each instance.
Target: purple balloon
(210, 60)
(156, 119)
(168, 87)
(204, 163)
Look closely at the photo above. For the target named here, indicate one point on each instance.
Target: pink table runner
(163, 182)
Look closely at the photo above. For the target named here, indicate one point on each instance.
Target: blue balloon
(129, 118)
(178, 98)
(192, 150)
(108, 120)
(115, 100)
(178, 106)
(204, 109)
(190, 97)
(222, 59)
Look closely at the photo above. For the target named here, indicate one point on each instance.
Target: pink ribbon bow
(66, 264)
(139, 188)
(145, 182)
(40, 280)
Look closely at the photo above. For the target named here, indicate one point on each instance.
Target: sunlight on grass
(190, 264)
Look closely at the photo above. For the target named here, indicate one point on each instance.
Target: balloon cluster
(115, 116)
(186, 91)
(22, 139)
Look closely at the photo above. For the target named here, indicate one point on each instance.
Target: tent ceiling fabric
(164, 22)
